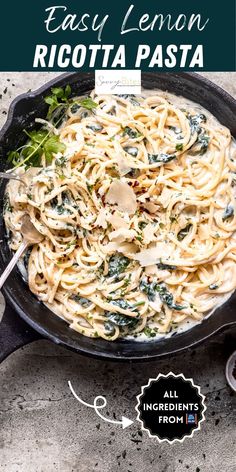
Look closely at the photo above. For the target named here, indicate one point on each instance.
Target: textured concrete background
(44, 429)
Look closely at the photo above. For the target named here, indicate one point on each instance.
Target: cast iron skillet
(25, 318)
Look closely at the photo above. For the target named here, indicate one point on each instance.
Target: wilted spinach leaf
(81, 300)
(162, 266)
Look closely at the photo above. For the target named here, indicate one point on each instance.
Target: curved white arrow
(125, 422)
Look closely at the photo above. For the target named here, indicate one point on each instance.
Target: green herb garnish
(87, 103)
(183, 232)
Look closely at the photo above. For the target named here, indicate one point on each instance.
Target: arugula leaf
(179, 147)
(40, 143)
(183, 232)
(160, 158)
(149, 332)
(87, 103)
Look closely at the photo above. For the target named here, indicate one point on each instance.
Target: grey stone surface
(44, 429)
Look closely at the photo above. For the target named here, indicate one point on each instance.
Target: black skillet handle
(14, 333)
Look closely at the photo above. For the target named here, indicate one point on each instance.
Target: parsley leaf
(53, 145)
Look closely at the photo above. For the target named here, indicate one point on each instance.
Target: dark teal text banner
(148, 35)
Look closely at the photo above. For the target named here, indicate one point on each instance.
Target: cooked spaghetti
(137, 212)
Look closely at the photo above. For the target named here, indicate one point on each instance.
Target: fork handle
(13, 262)
(9, 176)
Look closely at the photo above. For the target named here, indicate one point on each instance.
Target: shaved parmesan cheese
(122, 234)
(165, 197)
(122, 195)
(117, 221)
(150, 256)
(123, 165)
(151, 270)
(163, 274)
(157, 304)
